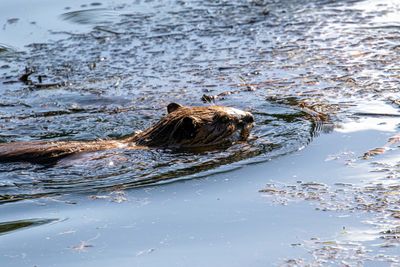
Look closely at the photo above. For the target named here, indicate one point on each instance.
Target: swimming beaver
(182, 128)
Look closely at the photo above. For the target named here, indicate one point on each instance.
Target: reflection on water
(7, 227)
(368, 123)
(388, 11)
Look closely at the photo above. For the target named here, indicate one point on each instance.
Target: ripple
(126, 169)
(92, 16)
(6, 50)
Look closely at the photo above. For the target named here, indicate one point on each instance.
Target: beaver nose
(248, 118)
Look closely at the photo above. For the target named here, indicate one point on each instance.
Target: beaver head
(194, 127)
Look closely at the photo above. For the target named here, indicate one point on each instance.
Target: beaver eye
(224, 119)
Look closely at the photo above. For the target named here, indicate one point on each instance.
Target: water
(110, 68)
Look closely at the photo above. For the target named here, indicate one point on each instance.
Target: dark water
(7, 227)
(108, 69)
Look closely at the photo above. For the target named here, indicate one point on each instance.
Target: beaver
(183, 127)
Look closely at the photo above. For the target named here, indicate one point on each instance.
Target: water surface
(104, 70)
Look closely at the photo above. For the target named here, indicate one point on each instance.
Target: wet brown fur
(183, 127)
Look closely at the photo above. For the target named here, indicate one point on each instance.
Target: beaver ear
(172, 107)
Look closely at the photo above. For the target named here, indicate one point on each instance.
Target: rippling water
(119, 77)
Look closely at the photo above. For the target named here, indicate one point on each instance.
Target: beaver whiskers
(182, 128)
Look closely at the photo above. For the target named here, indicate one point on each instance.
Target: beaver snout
(247, 120)
(246, 124)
